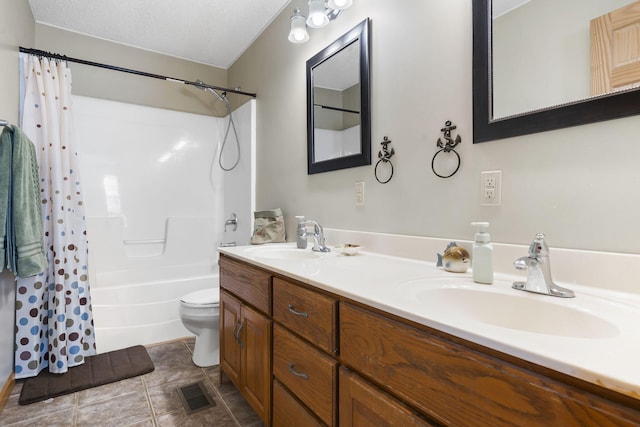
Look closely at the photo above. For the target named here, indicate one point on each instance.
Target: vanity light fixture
(298, 33)
(321, 12)
(339, 4)
(317, 16)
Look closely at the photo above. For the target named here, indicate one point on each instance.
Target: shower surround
(156, 202)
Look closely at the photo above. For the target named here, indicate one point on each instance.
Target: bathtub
(136, 286)
(153, 237)
(139, 307)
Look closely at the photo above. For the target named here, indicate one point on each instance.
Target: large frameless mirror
(338, 107)
(540, 65)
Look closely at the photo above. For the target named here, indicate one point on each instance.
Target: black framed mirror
(487, 126)
(338, 104)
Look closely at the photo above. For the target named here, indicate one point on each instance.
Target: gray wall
(333, 119)
(116, 86)
(579, 185)
(351, 101)
(16, 28)
(325, 118)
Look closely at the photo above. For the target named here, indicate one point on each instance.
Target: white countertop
(394, 284)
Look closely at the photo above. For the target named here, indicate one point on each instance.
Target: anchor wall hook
(384, 156)
(447, 146)
(451, 143)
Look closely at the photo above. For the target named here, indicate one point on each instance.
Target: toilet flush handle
(233, 222)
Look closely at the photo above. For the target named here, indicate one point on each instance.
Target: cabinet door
(230, 351)
(255, 339)
(363, 405)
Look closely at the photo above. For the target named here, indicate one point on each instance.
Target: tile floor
(147, 400)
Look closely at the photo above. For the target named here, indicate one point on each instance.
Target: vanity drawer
(457, 385)
(307, 313)
(310, 374)
(250, 284)
(288, 412)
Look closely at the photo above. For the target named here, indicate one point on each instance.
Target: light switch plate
(359, 188)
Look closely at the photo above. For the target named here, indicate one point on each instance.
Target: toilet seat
(203, 298)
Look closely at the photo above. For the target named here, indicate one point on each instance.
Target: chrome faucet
(539, 271)
(301, 232)
(318, 236)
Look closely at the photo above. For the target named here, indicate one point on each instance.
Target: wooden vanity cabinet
(246, 333)
(455, 384)
(313, 358)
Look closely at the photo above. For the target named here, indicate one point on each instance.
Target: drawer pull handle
(296, 373)
(297, 313)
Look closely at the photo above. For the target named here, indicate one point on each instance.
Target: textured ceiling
(213, 32)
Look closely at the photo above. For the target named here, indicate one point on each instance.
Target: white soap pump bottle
(482, 256)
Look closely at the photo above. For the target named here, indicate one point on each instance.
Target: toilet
(200, 314)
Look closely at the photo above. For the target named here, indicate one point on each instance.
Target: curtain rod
(328, 107)
(130, 71)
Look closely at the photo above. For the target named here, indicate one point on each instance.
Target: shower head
(222, 97)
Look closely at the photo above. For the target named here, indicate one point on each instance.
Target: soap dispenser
(301, 232)
(482, 256)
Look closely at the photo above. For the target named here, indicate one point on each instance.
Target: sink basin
(527, 313)
(284, 254)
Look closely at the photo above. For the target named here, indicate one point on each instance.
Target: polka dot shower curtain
(54, 322)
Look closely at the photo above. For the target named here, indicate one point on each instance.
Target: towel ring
(376, 170)
(385, 157)
(447, 146)
(434, 160)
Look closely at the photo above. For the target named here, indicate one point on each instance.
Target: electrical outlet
(490, 188)
(489, 193)
(359, 188)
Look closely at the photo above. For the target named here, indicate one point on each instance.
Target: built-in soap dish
(348, 249)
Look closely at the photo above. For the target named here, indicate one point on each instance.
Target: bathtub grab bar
(143, 242)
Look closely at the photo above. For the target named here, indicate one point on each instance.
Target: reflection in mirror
(338, 104)
(537, 64)
(541, 52)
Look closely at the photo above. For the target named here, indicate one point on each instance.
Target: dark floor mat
(97, 370)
